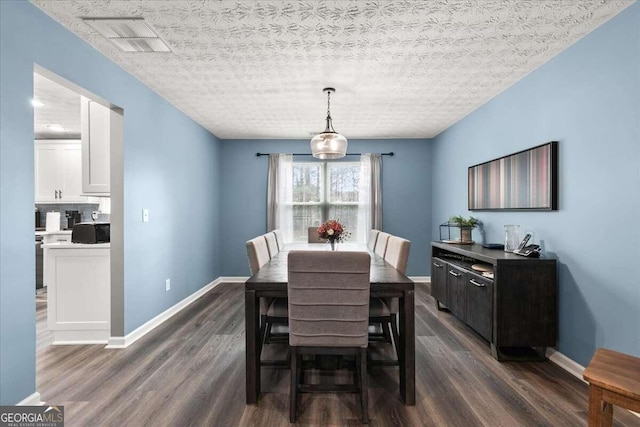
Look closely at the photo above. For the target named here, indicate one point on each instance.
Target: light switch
(145, 215)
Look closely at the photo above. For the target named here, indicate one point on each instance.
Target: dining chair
(257, 253)
(272, 310)
(328, 314)
(279, 238)
(385, 310)
(381, 243)
(312, 236)
(373, 237)
(272, 244)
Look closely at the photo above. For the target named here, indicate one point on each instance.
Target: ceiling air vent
(129, 34)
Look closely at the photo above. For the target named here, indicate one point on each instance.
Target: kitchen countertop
(46, 233)
(68, 245)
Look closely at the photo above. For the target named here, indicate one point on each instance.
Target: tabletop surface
(275, 271)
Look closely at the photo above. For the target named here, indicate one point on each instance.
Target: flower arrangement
(333, 231)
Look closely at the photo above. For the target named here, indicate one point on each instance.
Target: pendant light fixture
(329, 144)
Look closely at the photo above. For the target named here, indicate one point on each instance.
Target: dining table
(386, 281)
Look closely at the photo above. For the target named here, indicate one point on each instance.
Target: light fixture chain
(328, 103)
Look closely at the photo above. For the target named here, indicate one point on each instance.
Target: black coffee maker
(73, 217)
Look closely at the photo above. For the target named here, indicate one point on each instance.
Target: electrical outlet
(167, 285)
(145, 215)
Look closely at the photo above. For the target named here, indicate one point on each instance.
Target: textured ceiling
(61, 108)
(256, 69)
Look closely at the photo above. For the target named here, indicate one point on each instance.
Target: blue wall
(170, 167)
(588, 99)
(406, 194)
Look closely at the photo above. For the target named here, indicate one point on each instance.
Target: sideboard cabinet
(516, 310)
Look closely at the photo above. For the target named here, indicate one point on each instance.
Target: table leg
(252, 331)
(407, 356)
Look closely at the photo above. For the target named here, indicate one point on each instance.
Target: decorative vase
(465, 235)
(511, 236)
(334, 245)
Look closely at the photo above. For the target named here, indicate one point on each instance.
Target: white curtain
(370, 194)
(280, 195)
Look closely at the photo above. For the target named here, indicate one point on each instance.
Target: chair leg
(267, 333)
(361, 375)
(293, 390)
(385, 331)
(396, 336)
(263, 324)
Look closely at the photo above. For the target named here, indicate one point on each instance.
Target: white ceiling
(256, 69)
(61, 108)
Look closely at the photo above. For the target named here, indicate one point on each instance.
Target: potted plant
(466, 225)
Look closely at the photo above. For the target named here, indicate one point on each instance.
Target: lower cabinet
(438, 281)
(78, 280)
(516, 311)
(467, 295)
(479, 304)
(456, 288)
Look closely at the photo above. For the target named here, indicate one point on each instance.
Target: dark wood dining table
(386, 281)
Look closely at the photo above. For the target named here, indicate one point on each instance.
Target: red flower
(333, 231)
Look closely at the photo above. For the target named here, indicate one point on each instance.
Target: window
(322, 191)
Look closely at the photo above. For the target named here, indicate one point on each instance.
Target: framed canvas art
(526, 180)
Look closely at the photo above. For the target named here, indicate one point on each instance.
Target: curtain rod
(309, 154)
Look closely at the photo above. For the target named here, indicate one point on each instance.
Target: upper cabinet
(58, 171)
(100, 126)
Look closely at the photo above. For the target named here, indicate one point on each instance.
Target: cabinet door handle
(60, 193)
(478, 284)
(435, 264)
(454, 274)
(56, 194)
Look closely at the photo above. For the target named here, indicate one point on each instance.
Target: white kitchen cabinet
(78, 280)
(58, 171)
(100, 127)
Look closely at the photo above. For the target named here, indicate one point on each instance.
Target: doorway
(63, 164)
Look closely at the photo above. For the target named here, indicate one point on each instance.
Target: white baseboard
(565, 363)
(32, 400)
(233, 279)
(79, 336)
(421, 279)
(135, 335)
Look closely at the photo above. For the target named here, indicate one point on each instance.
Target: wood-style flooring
(190, 371)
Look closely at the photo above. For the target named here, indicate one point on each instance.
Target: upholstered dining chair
(257, 253)
(373, 237)
(279, 238)
(272, 310)
(381, 243)
(385, 310)
(272, 244)
(312, 236)
(328, 314)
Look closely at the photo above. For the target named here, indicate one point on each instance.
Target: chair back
(328, 296)
(272, 244)
(381, 243)
(279, 238)
(397, 253)
(312, 236)
(373, 237)
(258, 253)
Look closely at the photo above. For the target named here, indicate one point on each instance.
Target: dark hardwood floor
(190, 371)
